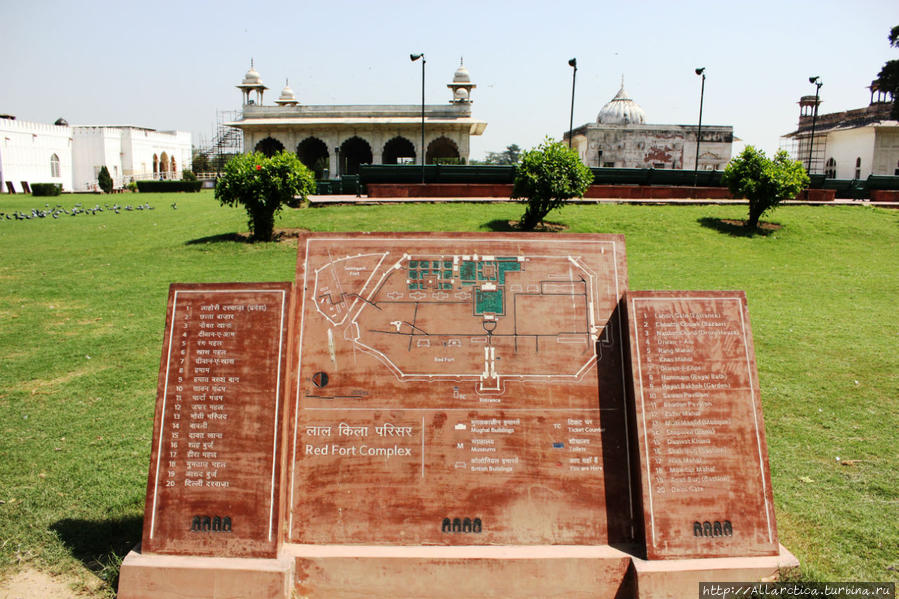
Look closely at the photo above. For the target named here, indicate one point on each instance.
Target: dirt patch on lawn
(33, 584)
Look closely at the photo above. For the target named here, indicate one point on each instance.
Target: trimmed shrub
(104, 180)
(188, 176)
(168, 186)
(547, 176)
(46, 189)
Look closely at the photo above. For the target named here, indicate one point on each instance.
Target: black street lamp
(573, 64)
(699, 71)
(816, 81)
(413, 58)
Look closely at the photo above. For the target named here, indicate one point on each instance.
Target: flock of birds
(79, 208)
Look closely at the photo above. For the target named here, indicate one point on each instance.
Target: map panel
(460, 389)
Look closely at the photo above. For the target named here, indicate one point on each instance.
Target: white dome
(252, 77)
(461, 75)
(461, 93)
(287, 95)
(621, 110)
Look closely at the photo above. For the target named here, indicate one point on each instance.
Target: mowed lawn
(82, 309)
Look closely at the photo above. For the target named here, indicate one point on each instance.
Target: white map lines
(466, 317)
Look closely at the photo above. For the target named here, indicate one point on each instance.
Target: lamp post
(573, 64)
(816, 81)
(699, 71)
(413, 58)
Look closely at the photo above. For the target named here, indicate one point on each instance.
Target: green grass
(82, 309)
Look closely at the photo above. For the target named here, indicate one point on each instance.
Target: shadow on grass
(100, 545)
(738, 228)
(511, 226)
(218, 239)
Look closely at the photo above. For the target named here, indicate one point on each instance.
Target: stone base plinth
(676, 578)
(451, 572)
(364, 571)
(177, 577)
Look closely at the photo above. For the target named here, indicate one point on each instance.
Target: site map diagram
(477, 315)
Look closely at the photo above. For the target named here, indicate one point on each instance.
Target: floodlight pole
(816, 81)
(699, 71)
(573, 64)
(413, 58)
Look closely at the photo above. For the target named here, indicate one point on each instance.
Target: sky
(170, 65)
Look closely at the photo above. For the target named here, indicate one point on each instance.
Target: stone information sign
(460, 389)
(703, 456)
(214, 483)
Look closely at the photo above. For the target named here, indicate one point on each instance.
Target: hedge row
(46, 189)
(168, 186)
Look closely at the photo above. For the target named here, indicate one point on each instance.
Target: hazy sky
(171, 65)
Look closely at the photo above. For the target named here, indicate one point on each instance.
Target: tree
(200, 162)
(547, 176)
(104, 180)
(263, 186)
(511, 155)
(763, 181)
(888, 77)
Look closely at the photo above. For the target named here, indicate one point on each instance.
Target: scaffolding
(226, 141)
(797, 146)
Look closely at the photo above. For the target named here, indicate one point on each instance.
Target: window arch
(54, 166)
(442, 149)
(269, 146)
(858, 167)
(314, 154)
(830, 168)
(397, 150)
(155, 164)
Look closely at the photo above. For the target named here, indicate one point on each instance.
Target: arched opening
(442, 150)
(164, 165)
(314, 154)
(399, 150)
(155, 165)
(858, 168)
(269, 146)
(830, 168)
(174, 167)
(353, 152)
(54, 165)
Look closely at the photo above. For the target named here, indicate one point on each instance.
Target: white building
(34, 153)
(852, 144)
(621, 138)
(73, 156)
(341, 137)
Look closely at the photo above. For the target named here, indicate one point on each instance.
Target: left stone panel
(214, 483)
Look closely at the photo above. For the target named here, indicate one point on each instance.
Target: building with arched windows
(73, 156)
(334, 140)
(620, 137)
(851, 144)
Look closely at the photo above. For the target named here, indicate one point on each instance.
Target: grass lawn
(82, 309)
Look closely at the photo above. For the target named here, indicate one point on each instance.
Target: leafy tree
(200, 162)
(763, 181)
(511, 155)
(188, 176)
(547, 176)
(263, 186)
(104, 180)
(888, 77)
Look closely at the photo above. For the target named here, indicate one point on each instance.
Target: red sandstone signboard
(214, 484)
(703, 457)
(459, 389)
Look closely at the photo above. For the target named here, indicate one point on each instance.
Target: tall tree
(511, 155)
(888, 77)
